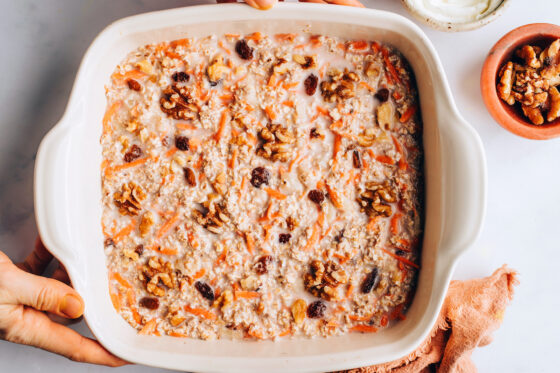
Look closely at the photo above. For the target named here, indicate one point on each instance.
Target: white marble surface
(43, 42)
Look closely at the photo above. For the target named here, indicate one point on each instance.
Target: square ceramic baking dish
(68, 190)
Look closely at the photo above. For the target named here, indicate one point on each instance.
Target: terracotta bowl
(511, 117)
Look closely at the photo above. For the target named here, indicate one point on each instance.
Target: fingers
(313, 1)
(226, 1)
(355, 3)
(38, 260)
(261, 4)
(36, 329)
(41, 293)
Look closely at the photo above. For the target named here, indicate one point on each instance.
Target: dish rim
(56, 135)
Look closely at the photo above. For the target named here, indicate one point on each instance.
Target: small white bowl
(428, 19)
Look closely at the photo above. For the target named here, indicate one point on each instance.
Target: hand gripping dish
(68, 193)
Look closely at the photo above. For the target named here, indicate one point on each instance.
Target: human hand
(25, 297)
(267, 4)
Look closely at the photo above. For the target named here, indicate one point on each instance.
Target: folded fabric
(471, 312)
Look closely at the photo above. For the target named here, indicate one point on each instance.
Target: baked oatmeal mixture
(262, 186)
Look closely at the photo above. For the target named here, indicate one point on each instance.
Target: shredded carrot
(360, 318)
(288, 103)
(116, 300)
(199, 274)
(168, 251)
(322, 110)
(395, 223)
(194, 143)
(363, 329)
(285, 37)
(110, 170)
(384, 320)
(221, 257)
(167, 226)
(367, 86)
(404, 260)
(390, 66)
(124, 232)
(180, 42)
(337, 145)
(231, 163)
(335, 198)
(149, 328)
(290, 85)
(117, 276)
(107, 129)
(375, 46)
(408, 114)
(208, 315)
(274, 193)
(315, 41)
(177, 335)
(349, 290)
(173, 55)
(247, 294)
(358, 45)
(250, 241)
(385, 159)
(232, 36)
(313, 238)
(186, 126)
(221, 45)
(371, 224)
(222, 125)
(243, 183)
(255, 36)
(131, 74)
(170, 152)
(226, 97)
(285, 333)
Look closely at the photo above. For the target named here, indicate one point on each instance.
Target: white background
(42, 43)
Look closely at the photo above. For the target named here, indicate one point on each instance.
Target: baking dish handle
(465, 186)
(51, 194)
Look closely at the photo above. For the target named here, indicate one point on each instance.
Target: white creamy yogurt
(456, 11)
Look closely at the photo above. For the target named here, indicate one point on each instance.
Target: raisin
(284, 237)
(316, 310)
(205, 290)
(356, 160)
(382, 95)
(182, 143)
(180, 76)
(339, 236)
(259, 176)
(311, 84)
(109, 242)
(261, 266)
(400, 252)
(190, 176)
(133, 84)
(370, 281)
(314, 133)
(316, 196)
(243, 49)
(139, 249)
(133, 153)
(149, 303)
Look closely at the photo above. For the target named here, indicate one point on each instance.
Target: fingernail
(265, 4)
(72, 306)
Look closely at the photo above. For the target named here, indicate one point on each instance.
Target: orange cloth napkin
(471, 312)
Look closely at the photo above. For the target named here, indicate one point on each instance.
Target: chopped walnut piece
(322, 280)
(129, 198)
(219, 183)
(158, 275)
(216, 69)
(291, 223)
(306, 62)
(366, 138)
(534, 114)
(375, 199)
(529, 54)
(146, 223)
(277, 143)
(372, 70)
(340, 87)
(299, 309)
(506, 83)
(190, 176)
(177, 102)
(224, 300)
(554, 110)
(213, 216)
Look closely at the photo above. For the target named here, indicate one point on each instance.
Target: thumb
(262, 4)
(43, 294)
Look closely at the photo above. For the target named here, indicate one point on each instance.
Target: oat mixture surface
(262, 186)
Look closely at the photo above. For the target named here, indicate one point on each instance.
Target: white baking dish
(68, 192)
